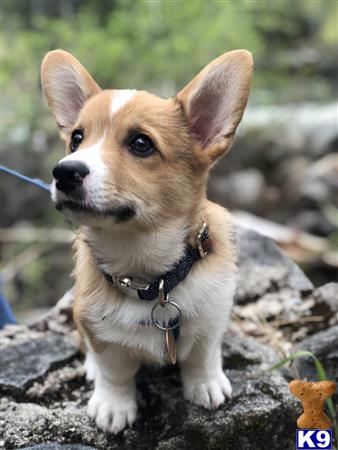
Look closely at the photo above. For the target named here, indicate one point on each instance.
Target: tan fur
(88, 278)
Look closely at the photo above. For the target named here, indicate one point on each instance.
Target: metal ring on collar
(163, 298)
(201, 250)
(156, 322)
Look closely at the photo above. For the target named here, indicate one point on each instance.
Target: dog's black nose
(69, 175)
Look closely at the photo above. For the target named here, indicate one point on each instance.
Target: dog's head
(134, 157)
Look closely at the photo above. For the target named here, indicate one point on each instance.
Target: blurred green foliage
(157, 45)
(160, 45)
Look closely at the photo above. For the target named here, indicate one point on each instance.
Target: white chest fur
(204, 298)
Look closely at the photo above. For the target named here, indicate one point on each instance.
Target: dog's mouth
(120, 213)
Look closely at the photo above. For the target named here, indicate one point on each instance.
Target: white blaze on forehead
(120, 98)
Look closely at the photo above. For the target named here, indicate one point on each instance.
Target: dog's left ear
(214, 101)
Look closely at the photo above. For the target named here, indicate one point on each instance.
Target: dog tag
(170, 345)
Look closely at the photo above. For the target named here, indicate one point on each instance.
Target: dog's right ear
(66, 85)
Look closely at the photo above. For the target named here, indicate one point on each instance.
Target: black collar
(145, 290)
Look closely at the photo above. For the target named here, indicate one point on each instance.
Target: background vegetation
(154, 45)
(160, 45)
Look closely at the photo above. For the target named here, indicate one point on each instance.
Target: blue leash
(41, 184)
(6, 313)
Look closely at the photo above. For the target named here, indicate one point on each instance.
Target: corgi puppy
(155, 269)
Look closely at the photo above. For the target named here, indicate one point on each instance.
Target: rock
(324, 345)
(18, 334)
(263, 268)
(56, 384)
(265, 137)
(242, 352)
(285, 305)
(25, 363)
(309, 315)
(320, 181)
(57, 446)
(325, 302)
(312, 221)
(60, 318)
(242, 189)
(302, 137)
(261, 414)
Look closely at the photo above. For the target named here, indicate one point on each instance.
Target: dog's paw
(209, 393)
(111, 413)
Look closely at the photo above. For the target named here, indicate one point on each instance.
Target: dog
(155, 266)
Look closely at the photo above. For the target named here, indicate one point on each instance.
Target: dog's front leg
(113, 403)
(204, 382)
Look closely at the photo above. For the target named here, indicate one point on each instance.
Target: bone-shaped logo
(313, 396)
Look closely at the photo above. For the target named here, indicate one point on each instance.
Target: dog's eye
(77, 137)
(141, 145)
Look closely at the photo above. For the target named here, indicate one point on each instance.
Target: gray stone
(59, 319)
(243, 352)
(25, 363)
(313, 221)
(263, 268)
(57, 446)
(243, 189)
(324, 345)
(320, 181)
(285, 305)
(325, 302)
(18, 334)
(261, 414)
(302, 136)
